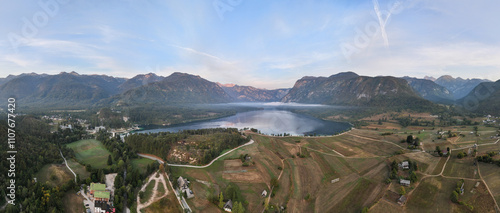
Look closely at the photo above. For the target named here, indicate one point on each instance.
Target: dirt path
(384, 141)
(66, 162)
(271, 190)
(484, 144)
(154, 197)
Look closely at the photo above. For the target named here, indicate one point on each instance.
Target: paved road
(66, 162)
(191, 166)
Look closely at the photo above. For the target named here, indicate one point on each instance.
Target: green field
(141, 164)
(91, 152)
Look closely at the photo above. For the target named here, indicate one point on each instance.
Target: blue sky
(266, 44)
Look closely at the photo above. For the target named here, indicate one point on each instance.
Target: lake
(271, 118)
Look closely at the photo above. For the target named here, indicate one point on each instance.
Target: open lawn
(91, 152)
(461, 167)
(432, 195)
(358, 196)
(54, 174)
(141, 164)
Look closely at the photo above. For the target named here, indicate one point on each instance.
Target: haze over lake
(270, 118)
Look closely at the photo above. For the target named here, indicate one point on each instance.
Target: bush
(307, 196)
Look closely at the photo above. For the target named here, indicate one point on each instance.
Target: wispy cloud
(261, 43)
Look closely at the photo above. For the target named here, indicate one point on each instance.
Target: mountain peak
(226, 85)
(70, 73)
(429, 78)
(345, 75)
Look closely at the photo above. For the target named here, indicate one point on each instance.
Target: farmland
(90, 152)
(306, 167)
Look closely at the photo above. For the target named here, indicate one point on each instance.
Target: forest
(35, 147)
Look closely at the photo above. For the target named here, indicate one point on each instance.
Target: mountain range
(459, 87)
(348, 88)
(72, 90)
(430, 90)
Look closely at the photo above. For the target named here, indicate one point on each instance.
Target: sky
(266, 44)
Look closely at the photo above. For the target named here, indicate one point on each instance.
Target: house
(99, 128)
(228, 207)
(183, 184)
(404, 182)
(264, 193)
(100, 207)
(462, 189)
(445, 152)
(405, 165)
(402, 200)
(63, 127)
(103, 207)
(97, 187)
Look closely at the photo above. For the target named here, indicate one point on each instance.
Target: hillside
(139, 80)
(484, 98)
(430, 90)
(350, 89)
(178, 88)
(252, 94)
(64, 90)
(459, 87)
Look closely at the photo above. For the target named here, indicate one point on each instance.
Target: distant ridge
(430, 90)
(348, 88)
(252, 94)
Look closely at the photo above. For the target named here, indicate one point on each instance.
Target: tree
(241, 208)
(221, 200)
(162, 168)
(413, 177)
(460, 155)
(402, 190)
(409, 139)
(110, 161)
(454, 197)
(236, 208)
(365, 210)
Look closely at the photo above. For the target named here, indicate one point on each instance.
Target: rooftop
(97, 187)
(101, 194)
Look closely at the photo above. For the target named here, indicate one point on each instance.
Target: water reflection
(268, 121)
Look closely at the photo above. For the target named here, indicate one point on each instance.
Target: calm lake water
(270, 119)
